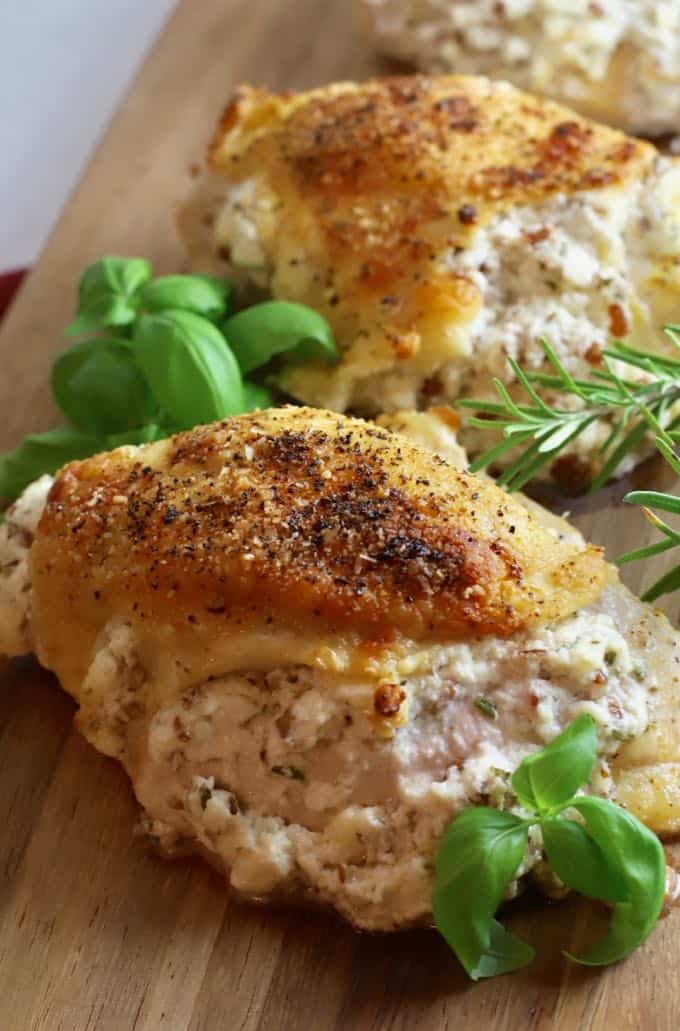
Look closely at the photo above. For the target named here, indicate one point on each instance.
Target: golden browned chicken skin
(388, 175)
(332, 520)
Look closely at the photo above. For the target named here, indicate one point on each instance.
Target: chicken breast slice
(616, 60)
(287, 628)
(443, 226)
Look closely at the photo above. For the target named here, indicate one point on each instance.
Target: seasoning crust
(413, 151)
(386, 174)
(300, 518)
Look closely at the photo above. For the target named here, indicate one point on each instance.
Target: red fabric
(9, 284)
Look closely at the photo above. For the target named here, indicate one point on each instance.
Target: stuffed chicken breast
(311, 642)
(616, 60)
(442, 226)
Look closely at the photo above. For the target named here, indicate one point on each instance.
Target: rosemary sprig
(632, 409)
(650, 499)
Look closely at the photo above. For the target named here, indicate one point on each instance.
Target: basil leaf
(191, 370)
(100, 389)
(478, 857)
(559, 770)
(521, 785)
(638, 854)
(259, 333)
(122, 276)
(505, 953)
(106, 310)
(256, 397)
(41, 453)
(204, 295)
(106, 293)
(579, 861)
(139, 435)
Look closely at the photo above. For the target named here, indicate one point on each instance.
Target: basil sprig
(157, 357)
(594, 847)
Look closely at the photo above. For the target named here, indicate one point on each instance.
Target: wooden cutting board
(96, 932)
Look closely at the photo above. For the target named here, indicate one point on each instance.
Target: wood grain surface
(95, 931)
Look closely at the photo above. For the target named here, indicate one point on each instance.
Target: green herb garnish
(594, 847)
(108, 294)
(486, 706)
(650, 499)
(258, 334)
(41, 453)
(633, 409)
(100, 388)
(158, 357)
(191, 371)
(202, 295)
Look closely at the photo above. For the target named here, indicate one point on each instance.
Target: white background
(64, 65)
